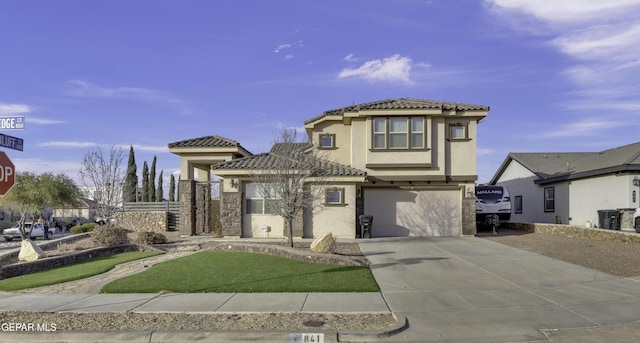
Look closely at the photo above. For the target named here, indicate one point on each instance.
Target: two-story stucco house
(409, 163)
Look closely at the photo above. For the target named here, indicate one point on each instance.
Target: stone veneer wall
(231, 213)
(203, 207)
(23, 268)
(469, 216)
(187, 199)
(143, 221)
(576, 231)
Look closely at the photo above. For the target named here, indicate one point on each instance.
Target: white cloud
(149, 148)
(13, 109)
(567, 11)
(61, 144)
(38, 166)
(584, 128)
(603, 40)
(395, 68)
(43, 121)
(83, 88)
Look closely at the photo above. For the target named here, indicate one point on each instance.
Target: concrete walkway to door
(473, 290)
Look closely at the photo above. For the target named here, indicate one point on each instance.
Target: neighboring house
(410, 163)
(571, 188)
(85, 208)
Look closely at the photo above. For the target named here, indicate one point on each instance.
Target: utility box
(609, 219)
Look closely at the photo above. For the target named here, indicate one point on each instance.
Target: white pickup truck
(38, 231)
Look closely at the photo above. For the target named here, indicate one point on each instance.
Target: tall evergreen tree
(160, 191)
(145, 182)
(172, 189)
(152, 181)
(131, 179)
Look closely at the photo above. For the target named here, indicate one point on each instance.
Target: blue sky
(558, 75)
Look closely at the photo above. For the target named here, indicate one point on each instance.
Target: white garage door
(398, 212)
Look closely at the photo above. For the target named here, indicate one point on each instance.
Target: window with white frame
(334, 196)
(398, 133)
(517, 201)
(258, 203)
(549, 199)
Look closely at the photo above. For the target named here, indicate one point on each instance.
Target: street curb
(402, 323)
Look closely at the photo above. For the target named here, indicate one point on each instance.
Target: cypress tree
(160, 191)
(172, 189)
(152, 181)
(131, 179)
(145, 182)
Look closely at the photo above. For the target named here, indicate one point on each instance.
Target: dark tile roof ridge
(215, 139)
(400, 103)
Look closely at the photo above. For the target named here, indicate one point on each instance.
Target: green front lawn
(235, 272)
(72, 272)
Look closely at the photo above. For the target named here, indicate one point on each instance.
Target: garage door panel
(414, 213)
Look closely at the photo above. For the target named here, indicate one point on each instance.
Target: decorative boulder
(324, 244)
(30, 251)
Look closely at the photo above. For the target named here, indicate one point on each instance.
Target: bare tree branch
(105, 176)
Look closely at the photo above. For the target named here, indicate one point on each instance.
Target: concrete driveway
(473, 290)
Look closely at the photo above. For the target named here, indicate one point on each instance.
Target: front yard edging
(23, 268)
(576, 232)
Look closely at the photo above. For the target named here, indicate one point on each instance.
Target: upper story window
(458, 132)
(327, 141)
(398, 133)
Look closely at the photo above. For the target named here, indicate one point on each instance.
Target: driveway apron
(469, 289)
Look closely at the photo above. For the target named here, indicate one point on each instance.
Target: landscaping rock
(324, 244)
(30, 251)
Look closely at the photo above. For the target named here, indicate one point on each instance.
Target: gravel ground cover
(616, 258)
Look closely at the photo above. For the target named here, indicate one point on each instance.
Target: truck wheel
(637, 225)
(8, 239)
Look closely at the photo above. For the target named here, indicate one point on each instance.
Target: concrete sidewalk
(450, 290)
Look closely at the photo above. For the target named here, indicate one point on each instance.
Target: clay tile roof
(268, 160)
(401, 104)
(203, 142)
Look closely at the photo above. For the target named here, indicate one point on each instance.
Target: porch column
(231, 208)
(187, 199)
(203, 201)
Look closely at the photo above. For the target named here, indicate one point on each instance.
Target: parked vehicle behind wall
(490, 201)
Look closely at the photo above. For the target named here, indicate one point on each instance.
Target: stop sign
(7, 174)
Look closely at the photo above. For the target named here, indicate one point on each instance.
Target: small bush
(151, 238)
(109, 235)
(87, 227)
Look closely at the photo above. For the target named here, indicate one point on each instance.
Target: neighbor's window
(458, 132)
(518, 203)
(327, 141)
(256, 202)
(549, 199)
(334, 196)
(398, 133)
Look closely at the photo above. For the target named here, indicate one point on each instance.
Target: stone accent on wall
(22, 268)
(203, 207)
(576, 232)
(469, 216)
(187, 199)
(626, 217)
(231, 213)
(143, 221)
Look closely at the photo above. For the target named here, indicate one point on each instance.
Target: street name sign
(11, 123)
(11, 142)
